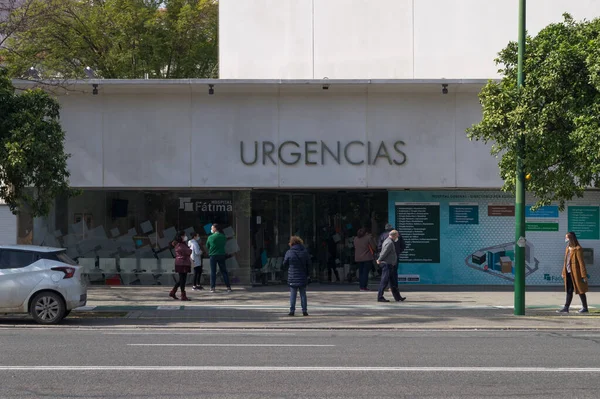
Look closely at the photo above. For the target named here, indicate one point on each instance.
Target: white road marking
(241, 345)
(320, 369)
(210, 332)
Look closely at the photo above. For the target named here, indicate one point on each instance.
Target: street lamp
(520, 241)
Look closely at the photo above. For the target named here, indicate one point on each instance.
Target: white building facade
(277, 150)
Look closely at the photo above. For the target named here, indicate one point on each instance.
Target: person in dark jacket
(399, 245)
(297, 259)
(331, 264)
(183, 264)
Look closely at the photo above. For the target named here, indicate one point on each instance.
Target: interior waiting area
(123, 237)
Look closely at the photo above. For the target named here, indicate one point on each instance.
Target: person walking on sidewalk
(364, 249)
(216, 251)
(399, 244)
(297, 259)
(574, 273)
(196, 257)
(183, 264)
(388, 260)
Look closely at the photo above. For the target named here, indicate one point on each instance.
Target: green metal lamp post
(520, 182)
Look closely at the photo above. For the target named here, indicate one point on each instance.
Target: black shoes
(382, 300)
(303, 314)
(402, 299)
(566, 310)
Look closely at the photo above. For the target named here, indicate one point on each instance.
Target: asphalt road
(152, 363)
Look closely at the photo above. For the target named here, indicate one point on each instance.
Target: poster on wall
(419, 224)
(468, 237)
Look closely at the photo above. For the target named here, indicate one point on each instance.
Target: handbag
(371, 249)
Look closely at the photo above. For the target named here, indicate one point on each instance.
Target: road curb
(307, 329)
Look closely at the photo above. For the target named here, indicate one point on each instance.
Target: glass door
(303, 224)
(271, 227)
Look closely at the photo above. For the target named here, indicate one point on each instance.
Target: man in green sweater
(216, 251)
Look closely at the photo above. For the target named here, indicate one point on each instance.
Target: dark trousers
(214, 261)
(389, 275)
(571, 290)
(332, 267)
(181, 283)
(363, 273)
(303, 300)
(197, 276)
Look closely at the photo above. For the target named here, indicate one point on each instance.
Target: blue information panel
(550, 211)
(463, 213)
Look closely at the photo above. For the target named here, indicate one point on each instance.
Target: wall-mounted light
(326, 85)
(95, 90)
(33, 73)
(211, 90)
(444, 88)
(89, 72)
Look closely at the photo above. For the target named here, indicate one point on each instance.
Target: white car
(41, 281)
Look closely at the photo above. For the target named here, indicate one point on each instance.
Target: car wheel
(48, 308)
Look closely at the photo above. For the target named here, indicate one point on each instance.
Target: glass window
(58, 256)
(123, 237)
(11, 259)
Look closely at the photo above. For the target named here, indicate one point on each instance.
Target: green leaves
(557, 112)
(31, 150)
(118, 39)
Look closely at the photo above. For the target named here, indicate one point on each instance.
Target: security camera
(444, 89)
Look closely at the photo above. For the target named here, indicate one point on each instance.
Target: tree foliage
(558, 112)
(118, 39)
(31, 150)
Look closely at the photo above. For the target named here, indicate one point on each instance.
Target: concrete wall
(376, 39)
(187, 138)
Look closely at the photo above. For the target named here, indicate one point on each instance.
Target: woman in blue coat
(297, 259)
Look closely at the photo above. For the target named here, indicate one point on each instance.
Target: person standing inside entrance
(216, 251)
(183, 264)
(364, 248)
(574, 273)
(297, 259)
(388, 260)
(196, 256)
(332, 257)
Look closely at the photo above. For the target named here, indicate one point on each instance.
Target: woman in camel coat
(574, 274)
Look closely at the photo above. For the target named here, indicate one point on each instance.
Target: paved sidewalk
(330, 307)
